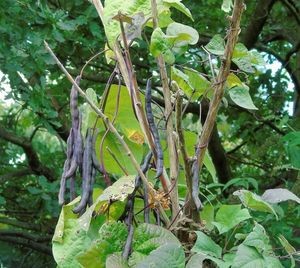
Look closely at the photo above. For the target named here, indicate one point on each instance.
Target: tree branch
(16, 174)
(33, 160)
(20, 224)
(252, 32)
(27, 243)
(26, 235)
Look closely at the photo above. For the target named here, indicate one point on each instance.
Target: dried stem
(168, 110)
(218, 89)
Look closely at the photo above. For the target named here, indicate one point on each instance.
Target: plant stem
(168, 111)
(218, 89)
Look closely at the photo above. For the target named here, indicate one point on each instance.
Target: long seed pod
(93, 176)
(153, 129)
(86, 173)
(62, 189)
(72, 189)
(74, 104)
(96, 163)
(78, 150)
(195, 186)
(128, 245)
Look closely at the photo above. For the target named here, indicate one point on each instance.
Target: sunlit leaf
(241, 97)
(228, 216)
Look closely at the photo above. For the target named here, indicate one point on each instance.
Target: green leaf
(287, 246)
(116, 261)
(120, 189)
(196, 261)
(241, 97)
(216, 45)
(170, 255)
(190, 35)
(245, 182)
(69, 239)
(206, 245)
(227, 5)
(228, 216)
(233, 81)
(248, 257)
(161, 45)
(179, 6)
(148, 237)
(254, 202)
(279, 195)
(258, 239)
(111, 239)
(198, 82)
(207, 215)
(182, 80)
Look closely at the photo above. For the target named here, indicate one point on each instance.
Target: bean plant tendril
(154, 131)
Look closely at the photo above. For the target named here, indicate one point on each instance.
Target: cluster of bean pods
(80, 156)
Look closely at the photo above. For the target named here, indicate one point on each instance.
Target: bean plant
(134, 188)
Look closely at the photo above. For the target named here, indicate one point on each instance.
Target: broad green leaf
(207, 215)
(69, 239)
(170, 255)
(182, 80)
(116, 148)
(258, 239)
(228, 216)
(244, 64)
(161, 45)
(113, 7)
(254, 202)
(233, 81)
(126, 121)
(216, 45)
(248, 257)
(111, 239)
(120, 189)
(148, 237)
(278, 195)
(116, 261)
(206, 245)
(178, 29)
(179, 6)
(196, 261)
(227, 5)
(65, 215)
(197, 81)
(241, 97)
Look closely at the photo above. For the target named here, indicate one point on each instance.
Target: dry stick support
(218, 88)
(168, 111)
(190, 205)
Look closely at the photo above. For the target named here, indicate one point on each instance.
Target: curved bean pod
(86, 173)
(74, 104)
(195, 186)
(153, 129)
(96, 163)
